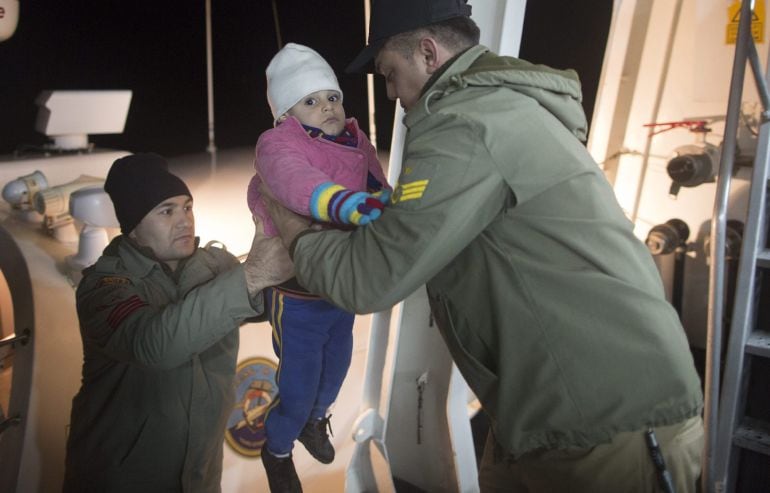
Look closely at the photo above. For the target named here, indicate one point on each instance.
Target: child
(318, 164)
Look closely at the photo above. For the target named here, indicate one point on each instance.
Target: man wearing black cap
(159, 321)
(550, 306)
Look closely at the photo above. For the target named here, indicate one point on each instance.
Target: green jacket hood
(558, 91)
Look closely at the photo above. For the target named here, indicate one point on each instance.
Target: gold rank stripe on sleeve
(409, 191)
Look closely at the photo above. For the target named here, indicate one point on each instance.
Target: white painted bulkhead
(668, 61)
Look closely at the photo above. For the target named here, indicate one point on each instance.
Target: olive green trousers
(623, 465)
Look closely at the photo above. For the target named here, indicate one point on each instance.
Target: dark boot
(281, 475)
(316, 440)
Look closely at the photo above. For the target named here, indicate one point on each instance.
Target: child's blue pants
(313, 340)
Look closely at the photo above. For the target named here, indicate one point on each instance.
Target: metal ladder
(729, 429)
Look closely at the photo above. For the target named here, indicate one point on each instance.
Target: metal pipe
(211, 148)
(717, 249)
(656, 109)
(677, 289)
(277, 26)
(370, 81)
(619, 110)
(14, 339)
(759, 78)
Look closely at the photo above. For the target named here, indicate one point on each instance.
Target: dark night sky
(157, 49)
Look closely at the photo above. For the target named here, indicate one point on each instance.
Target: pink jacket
(293, 164)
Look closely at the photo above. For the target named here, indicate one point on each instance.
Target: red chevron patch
(124, 309)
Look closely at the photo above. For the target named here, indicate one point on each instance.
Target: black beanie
(137, 184)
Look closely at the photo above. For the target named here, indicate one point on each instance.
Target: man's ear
(432, 54)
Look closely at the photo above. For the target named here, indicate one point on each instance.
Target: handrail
(717, 248)
(13, 339)
(7, 423)
(8, 344)
(759, 79)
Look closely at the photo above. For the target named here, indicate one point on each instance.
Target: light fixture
(692, 165)
(54, 204)
(92, 207)
(69, 116)
(20, 193)
(668, 237)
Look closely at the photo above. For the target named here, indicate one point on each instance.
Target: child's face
(321, 109)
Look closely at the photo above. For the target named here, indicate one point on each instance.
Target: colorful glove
(383, 196)
(375, 188)
(336, 204)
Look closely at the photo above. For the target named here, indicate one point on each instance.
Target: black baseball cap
(391, 17)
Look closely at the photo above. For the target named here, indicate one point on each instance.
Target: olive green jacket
(552, 309)
(159, 363)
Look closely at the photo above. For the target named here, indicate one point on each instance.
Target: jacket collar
(140, 260)
(441, 71)
(450, 69)
(293, 123)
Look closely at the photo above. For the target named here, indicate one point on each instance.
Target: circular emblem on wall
(255, 390)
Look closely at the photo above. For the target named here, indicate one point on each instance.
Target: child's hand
(374, 203)
(358, 208)
(383, 196)
(333, 203)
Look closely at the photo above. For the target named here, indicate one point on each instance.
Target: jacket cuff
(293, 245)
(257, 302)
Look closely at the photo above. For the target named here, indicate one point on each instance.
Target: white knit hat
(293, 73)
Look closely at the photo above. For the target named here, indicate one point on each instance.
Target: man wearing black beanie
(139, 182)
(158, 320)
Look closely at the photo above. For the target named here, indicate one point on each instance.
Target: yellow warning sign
(757, 22)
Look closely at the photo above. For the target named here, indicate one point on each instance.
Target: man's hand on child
(267, 263)
(289, 224)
